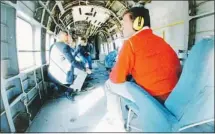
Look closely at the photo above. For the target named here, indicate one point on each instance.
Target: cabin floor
(85, 114)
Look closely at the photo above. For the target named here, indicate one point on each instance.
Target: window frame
(25, 51)
(49, 45)
(33, 51)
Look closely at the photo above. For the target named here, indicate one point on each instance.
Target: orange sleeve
(124, 64)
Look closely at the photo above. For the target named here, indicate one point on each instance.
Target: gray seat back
(192, 100)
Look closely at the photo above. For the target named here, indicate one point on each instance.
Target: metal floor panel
(84, 115)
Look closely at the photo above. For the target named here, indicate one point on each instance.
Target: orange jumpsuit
(151, 61)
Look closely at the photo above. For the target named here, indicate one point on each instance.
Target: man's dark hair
(74, 38)
(139, 11)
(64, 31)
(84, 39)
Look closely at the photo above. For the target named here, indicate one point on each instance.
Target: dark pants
(89, 60)
(86, 60)
(55, 86)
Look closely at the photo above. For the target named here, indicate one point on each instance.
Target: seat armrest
(153, 116)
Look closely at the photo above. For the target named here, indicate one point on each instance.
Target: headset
(138, 23)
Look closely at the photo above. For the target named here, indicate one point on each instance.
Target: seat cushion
(152, 115)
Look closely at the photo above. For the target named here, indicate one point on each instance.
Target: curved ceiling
(83, 17)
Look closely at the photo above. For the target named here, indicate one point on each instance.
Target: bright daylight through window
(24, 44)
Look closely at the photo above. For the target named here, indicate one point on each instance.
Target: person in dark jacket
(83, 51)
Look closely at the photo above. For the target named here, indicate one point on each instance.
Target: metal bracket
(24, 98)
(201, 15)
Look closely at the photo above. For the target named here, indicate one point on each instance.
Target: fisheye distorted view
(107, 66)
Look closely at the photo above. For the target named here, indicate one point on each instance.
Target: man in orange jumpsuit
(151, 62)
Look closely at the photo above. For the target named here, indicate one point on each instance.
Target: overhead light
(80, 11)
(94, 14)
(89, 14)
(92, 9)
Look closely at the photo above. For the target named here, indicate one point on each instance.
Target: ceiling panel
(98, 14)
(117, 6)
